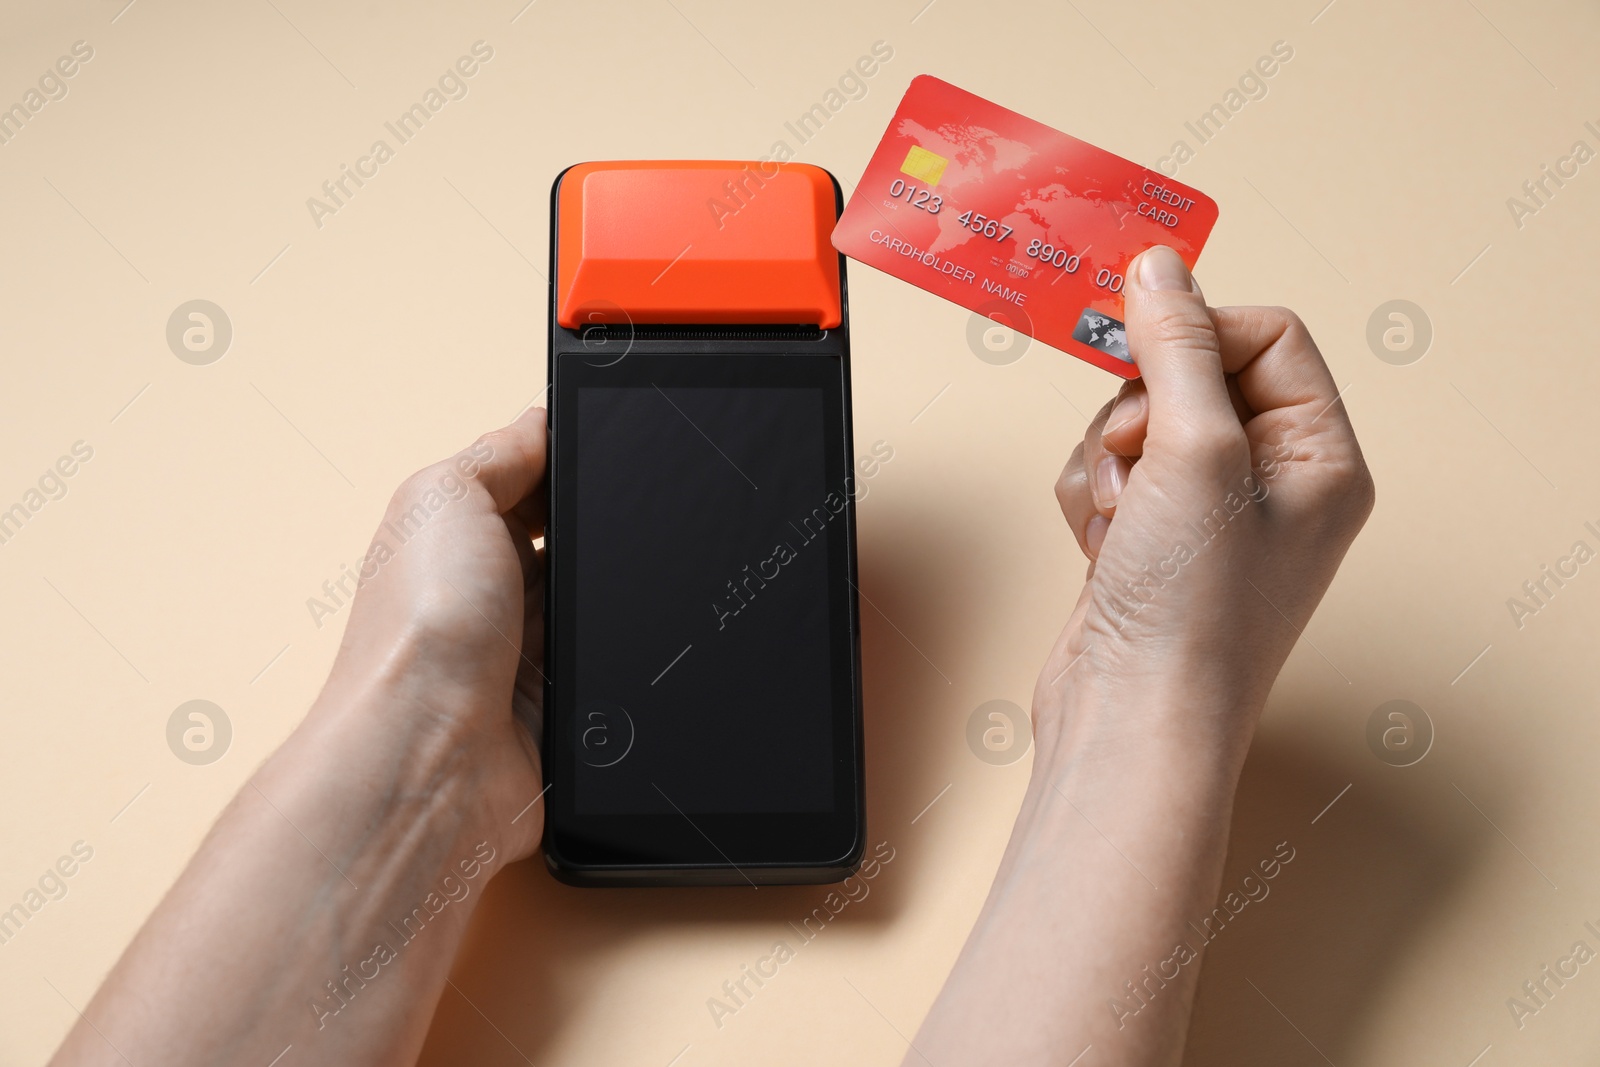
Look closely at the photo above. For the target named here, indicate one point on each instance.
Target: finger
(533, 618)
(1129, 420)
(527, 702)
(1077, 504)
(527, 709)
(509, 462)
(1277, 364)
(533, 509)
(1174, 342)
(1241, 406)
(1115, 443)
(533, 621)
(1094, 535)
(1107, 471)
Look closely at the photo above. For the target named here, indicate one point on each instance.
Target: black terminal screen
(703, 656)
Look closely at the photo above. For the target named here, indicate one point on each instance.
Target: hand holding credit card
(1015, 220)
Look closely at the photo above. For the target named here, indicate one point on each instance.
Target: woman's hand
(1214, 498)
(323, 911)
(449, 620)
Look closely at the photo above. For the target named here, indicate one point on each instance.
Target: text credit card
(1014, 220)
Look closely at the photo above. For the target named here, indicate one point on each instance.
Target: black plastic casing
(787, 855)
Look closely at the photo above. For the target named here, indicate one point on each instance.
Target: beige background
(220, 497)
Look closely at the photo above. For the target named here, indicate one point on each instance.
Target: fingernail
(1094, 534)
(1107, 482)
(1122, 413)
(1161, 269)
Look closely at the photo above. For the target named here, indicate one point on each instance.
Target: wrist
(1116, 722)
(390, 758)
(1135, 768)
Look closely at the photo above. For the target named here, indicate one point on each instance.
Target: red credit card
(1014, 220)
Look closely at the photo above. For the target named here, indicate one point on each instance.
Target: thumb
(1174, 343)
(511, 460)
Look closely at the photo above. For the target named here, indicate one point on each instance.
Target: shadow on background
(531, 936)
(1292, 980)
(1366, 881)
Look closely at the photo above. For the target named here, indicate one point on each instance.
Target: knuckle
(1367, 495)
(436, 478)
(413, 487)
(1288, 318)
(1068, 492)
(1353, 485)
(487, 446)
(1071, 475)
(1182, 327)
(503, 444)
(1291, 328)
